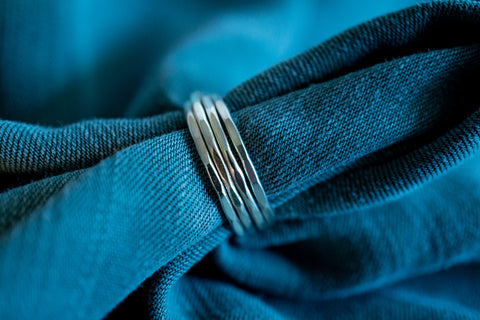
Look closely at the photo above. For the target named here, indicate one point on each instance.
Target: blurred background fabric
(66, 61)
(367, 145)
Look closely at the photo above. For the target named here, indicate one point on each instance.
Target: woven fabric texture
(367, 147)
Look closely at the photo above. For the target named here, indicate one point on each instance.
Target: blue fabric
(367, 146)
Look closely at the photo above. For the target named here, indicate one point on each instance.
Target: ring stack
(228, 165)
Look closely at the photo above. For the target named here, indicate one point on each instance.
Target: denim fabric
(367, 146)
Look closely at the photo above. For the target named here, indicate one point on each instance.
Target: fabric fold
(360, 143)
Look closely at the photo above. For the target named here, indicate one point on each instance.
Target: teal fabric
(367, 146)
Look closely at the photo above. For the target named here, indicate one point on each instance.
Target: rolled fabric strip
(241, 195)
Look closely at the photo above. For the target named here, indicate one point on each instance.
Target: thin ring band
(241, 194)
(230, 213)
(217, 158)
(231, 163)
(247, 164)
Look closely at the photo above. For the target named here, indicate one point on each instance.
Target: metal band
(247, 164)
(212, 172)
(217, 158)
(241, 194)
(235, 170)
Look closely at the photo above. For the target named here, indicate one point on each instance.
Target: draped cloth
(366, 145)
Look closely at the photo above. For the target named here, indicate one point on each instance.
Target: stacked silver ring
(228, 165)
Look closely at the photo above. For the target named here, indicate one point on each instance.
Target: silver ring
(247, 164)
(212, 172)
(241, 194)
(235, 170)
(218, 160)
